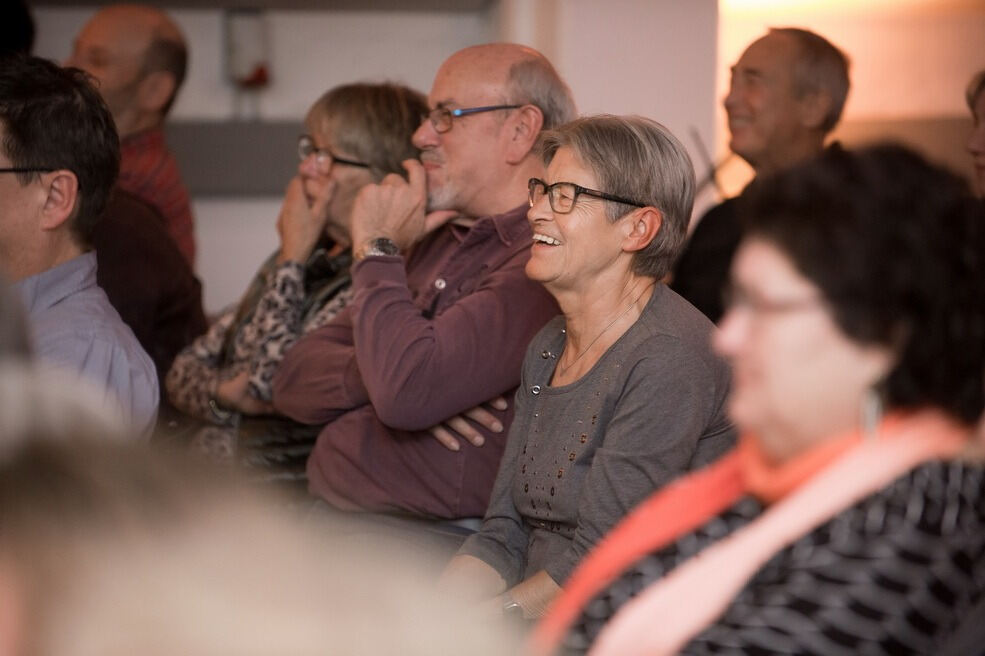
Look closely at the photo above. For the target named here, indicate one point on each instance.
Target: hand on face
(396, 209)
(302, 217)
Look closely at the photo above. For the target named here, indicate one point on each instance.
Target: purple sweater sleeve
(419, 371)
(426, 345)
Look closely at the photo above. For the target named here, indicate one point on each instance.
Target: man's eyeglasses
(324, 158)
(563, 195)
(441, 117)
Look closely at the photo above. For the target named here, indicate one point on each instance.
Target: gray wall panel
(235, 158)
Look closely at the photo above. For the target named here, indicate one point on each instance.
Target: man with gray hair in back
(442, 310)
(786, 95)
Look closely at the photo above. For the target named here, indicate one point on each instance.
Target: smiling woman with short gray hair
(619, 395)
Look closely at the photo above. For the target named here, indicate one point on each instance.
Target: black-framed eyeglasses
(27, 169)
(324, 158)
(441, 117)
(563, 195)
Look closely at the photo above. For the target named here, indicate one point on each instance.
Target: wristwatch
(377, 246)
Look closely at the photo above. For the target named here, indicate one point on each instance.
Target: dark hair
(16, 28)
(638, 159)
(373, 122)
(170, 55)
(897, 247)
(54, 117)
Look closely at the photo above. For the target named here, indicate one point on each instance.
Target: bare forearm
(471, 578)
(474, 580)
(535, 594)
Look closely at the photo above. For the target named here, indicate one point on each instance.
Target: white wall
(234, 237)
(650, 57)
(311, 51)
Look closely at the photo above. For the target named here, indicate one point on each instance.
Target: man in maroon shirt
(442, 311)
(138, 56)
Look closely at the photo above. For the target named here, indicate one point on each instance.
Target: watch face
(378, 246)
(384, 246)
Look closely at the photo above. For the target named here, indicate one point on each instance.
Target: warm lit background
(910, 63)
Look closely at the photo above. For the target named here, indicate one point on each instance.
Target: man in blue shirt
(59, 158)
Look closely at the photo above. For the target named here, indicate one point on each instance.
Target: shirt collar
(508, 226)
(48, 288)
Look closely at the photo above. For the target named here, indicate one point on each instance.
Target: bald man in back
(138, 56)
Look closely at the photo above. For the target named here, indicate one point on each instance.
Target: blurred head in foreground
(113, 548)
(861, 276)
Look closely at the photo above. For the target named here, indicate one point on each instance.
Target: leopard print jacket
(284, 302)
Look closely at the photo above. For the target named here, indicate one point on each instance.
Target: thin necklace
(564, 370)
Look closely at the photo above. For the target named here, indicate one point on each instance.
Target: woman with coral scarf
(831, 529)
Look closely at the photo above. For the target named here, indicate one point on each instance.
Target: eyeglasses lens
(562, 198)
(306, 148)
(440, 119)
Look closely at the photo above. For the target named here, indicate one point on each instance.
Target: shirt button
(535, 390)
(440, 283)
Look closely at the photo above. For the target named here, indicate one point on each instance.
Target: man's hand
(449, 432)
(302, 218)
(234, 394)
(396, 209)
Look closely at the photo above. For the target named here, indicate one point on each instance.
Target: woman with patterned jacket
(357, 134)
(833, 528)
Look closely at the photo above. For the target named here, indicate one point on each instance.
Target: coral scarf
(807, 492)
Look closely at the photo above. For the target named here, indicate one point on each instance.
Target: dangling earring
(871, 412)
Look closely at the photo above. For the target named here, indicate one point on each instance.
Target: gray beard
(442, 199)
